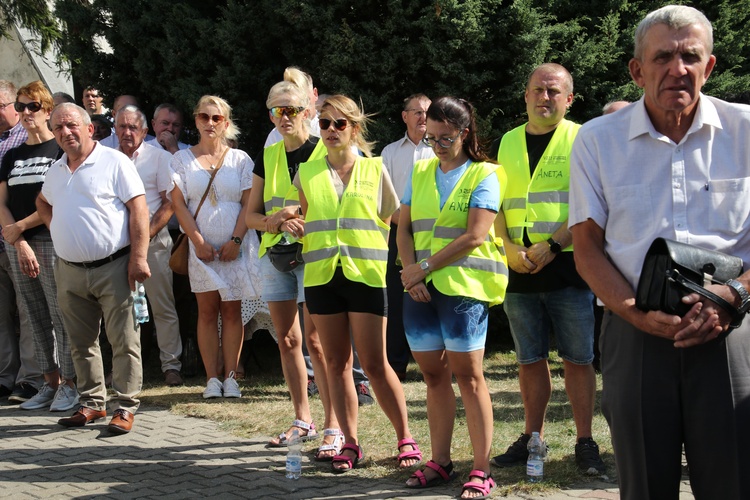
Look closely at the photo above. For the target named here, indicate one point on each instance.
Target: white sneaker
(66, 398)
(231, 387)
(213, 389)
(42, 399)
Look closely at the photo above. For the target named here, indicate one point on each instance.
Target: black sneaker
(22, 393)
(363, 394)
(587, 457)
(516, 454)
(312, 388)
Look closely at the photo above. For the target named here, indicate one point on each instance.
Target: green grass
(265, 410)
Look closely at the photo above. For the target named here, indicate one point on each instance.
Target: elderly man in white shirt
(673, 165)
(399, 158)
(153, 167)
(99, 229)
(167, 125)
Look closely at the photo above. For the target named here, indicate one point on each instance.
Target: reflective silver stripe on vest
(274, 202)
(422, 225)
(291, 203)
(514, 203)
(549, 197)
(318, 255)
(451, 233)
(486, 265)
(422, 254)
(364, 253)
(362, 225)
(544, 227)
(515, 233)
(320, 225)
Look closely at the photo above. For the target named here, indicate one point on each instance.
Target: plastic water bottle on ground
(535, 462)
(294, 456)
(139, 303)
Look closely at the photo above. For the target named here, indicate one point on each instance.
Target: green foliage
(33, 15)
(378, 51)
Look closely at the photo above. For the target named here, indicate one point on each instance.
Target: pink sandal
(485, 487)
(343, 459)
(445, 475)
(414, 453)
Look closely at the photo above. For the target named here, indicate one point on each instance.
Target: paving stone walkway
(167, 456)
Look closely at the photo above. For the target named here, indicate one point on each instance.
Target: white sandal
(338, 442)
(308, 436)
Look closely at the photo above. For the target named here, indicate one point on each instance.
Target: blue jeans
(568, 312)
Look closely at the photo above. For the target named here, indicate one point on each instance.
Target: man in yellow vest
(545, 292)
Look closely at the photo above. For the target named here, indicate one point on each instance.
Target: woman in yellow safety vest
(347, 202)
(453, 271)
(274, 209)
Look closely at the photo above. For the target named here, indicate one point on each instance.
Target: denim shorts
(451, 323)
(278, 286)
(568, 312)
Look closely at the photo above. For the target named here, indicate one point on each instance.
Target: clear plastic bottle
(139, 303)
(535, 462)
(294, 456)
(288, 238)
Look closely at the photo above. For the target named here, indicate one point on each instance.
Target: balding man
(100, 229)
(673, 165)
(152, 164)
(167, 125)
(544, 290)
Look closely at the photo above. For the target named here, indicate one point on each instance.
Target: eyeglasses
(339, 124)
(5, 105)
(443, 142)
(290, 111)
(33, 106)
(205, 117)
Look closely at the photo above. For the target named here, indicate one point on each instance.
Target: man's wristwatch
(743, 293)
(237, 240)
(554, 246)
(424, 266)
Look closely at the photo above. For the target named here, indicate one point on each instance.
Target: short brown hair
(37, 91)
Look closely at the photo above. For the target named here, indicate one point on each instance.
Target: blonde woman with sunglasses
(222, 265)
(347, 202)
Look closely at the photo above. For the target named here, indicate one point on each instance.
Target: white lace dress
(238, 279)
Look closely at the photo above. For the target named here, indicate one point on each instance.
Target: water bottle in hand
(294, 456)
(535, 462)
(139, 303)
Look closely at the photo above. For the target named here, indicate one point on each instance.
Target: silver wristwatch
(743, 293)
(425, 266)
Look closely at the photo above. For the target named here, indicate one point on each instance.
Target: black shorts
(343, 295)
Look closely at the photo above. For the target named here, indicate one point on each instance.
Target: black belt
(98, 263)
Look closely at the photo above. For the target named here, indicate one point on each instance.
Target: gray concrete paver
(168, 457)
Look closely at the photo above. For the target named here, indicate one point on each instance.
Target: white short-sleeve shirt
(152, 164)
(89, 216)
(399, 158)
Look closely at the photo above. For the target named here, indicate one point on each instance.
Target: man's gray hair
(138, 113)
(8, 89)
(71, 107)
(169, 107)
(675, 17)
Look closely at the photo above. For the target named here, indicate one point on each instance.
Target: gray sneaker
(213, 389)
(42, 399)
(231, 388)
(66, 398)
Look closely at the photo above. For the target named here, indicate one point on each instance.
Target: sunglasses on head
(290, 111)
(33, 106)
(205, 117)
(339, 124)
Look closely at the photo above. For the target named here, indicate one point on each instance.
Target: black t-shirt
(561, 271)
(293, 159)
(24, 169)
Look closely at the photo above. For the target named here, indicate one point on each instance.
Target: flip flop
(309, 435)
(445, 475)
(338, 442)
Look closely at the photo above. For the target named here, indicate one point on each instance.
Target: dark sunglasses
(205, 117)
(33, 106)
(339, 124)
(290, 111)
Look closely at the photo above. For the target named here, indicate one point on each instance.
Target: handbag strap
(678, 278)
(211, 181)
